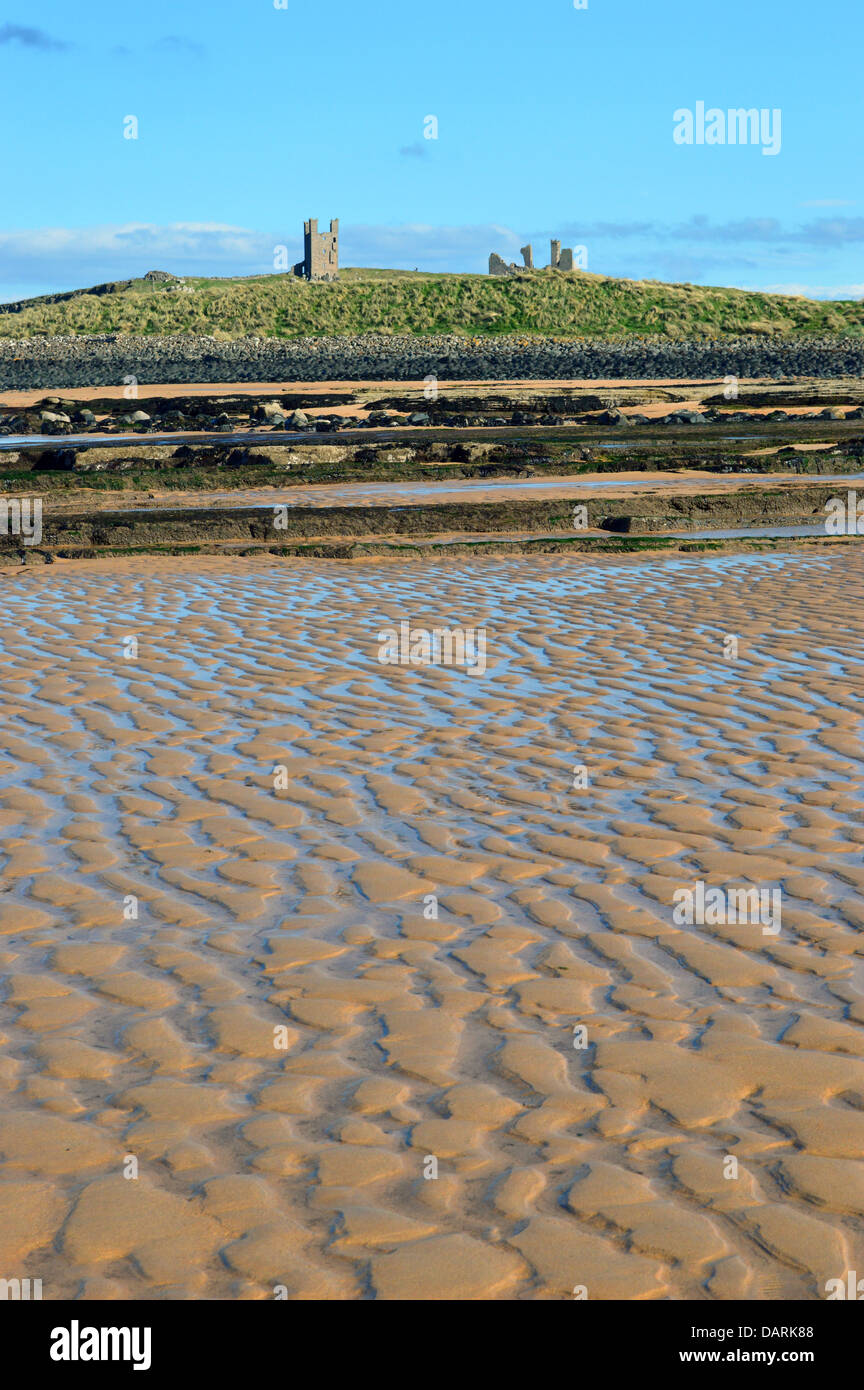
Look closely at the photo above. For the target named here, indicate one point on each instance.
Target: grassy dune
(547, 303)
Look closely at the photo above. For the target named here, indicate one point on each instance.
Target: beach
(350, 979)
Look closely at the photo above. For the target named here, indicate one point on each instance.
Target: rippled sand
(286, 1039)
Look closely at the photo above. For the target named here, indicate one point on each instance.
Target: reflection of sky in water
(402, 436)
(743, 531)
(618, 665)
(571, 488)
(540, 637)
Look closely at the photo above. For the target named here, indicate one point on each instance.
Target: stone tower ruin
(320, 252)
(560, 258)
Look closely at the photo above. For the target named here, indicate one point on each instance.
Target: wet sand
(286, 1036)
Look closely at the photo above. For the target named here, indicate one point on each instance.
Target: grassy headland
(543, 304)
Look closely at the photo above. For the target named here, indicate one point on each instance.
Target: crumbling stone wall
(498, 266)
(560, 259)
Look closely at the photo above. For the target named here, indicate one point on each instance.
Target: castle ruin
(320, 252)
(560, 259)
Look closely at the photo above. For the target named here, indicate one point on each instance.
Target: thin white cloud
(66, 258)
(63, 258)
(420, 244)
(746, 231)
(819, 291)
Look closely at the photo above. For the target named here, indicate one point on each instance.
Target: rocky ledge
(36, 363)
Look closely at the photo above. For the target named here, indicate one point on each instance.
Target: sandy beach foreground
(363, 980)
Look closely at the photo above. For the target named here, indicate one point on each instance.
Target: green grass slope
(545, 303)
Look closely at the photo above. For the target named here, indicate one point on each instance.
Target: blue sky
(552, 120)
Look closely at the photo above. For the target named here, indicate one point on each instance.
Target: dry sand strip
(354, 388)
(647, 396)
(371, 991)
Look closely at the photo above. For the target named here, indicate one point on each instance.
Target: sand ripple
(234, 977)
